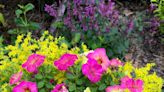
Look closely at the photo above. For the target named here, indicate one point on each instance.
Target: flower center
(27, 89)
(134, 86)
(99, 61)
(33, 61)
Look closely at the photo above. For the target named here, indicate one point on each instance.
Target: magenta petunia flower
(131, 84)
(26, 86)
(15, 78)
(60, 88)
(33, 62)
(115, 62)
(92, 70)
(65, 61)
(100, 56)
(115, 88)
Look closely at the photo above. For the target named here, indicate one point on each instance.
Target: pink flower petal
(115, 88)
(92, 70)
(65, 61)
(115, 62)
(33, 62)
(60, 88)
(100, 56)
(15, 78)
(26, 86)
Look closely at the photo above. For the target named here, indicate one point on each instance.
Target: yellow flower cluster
(127, 69)
(152, 83)
(24, 46)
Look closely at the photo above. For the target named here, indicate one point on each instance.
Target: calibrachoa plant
(48, 65)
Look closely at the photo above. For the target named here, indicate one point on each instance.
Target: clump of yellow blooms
(127, 69)
(24, 46)
(152, 83)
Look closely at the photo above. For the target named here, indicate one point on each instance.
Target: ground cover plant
(47, 65)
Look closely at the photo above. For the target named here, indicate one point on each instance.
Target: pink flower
(60, 88)
(115, 88)
(65, 61)
(15, 78)
(92, 70)
(115, 62)
(33, 62)
(100, 56)
(26, 86)
(131, 84)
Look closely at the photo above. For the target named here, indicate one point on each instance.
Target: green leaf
(28, 7)
(21, 6)
(34, 26)
(12, 31)
(102, 87)
(38, 76)
(69, 76)
(79, 82)
(48, 85)
(72, 87)
(18, 12)
(2, 19)
(76, 38)
(42, 90)
(58, 24)
(40, 84)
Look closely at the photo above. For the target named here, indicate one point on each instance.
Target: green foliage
(114, 41)
(159, 12)
(160, 8)
(24, 25)
(2, 20)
